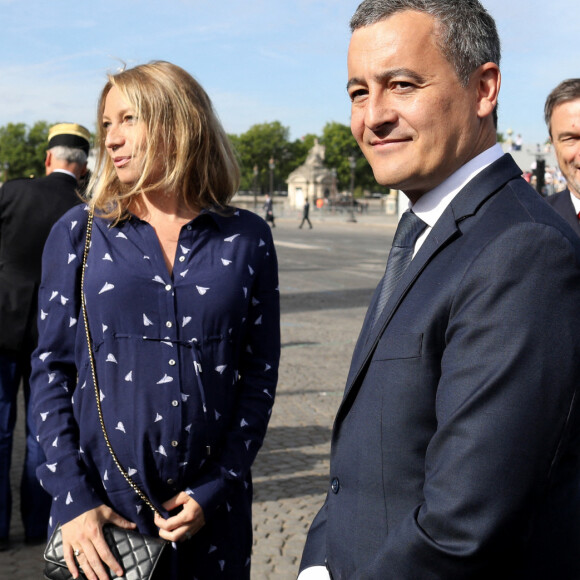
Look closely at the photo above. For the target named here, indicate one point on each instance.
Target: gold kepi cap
(69, 135)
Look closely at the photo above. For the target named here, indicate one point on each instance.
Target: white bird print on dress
(231, 238)
(166, 379)
(106, 288)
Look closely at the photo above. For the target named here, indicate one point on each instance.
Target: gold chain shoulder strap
(127, 477)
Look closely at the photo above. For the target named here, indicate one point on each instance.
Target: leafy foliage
(267, 141)
(23, 150)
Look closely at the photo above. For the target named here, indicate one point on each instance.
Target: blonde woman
(183, 308)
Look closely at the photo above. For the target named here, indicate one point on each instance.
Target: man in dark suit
(562, 113)
(456, 448)
(28, 210)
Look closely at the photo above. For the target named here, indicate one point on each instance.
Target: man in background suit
(28, 210)
(455, 450)
(562, 114)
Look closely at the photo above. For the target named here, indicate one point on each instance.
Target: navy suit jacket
(28, 210)
(562, 203)
(456, 448)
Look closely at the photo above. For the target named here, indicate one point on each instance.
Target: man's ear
(488, 82)
(48, 162)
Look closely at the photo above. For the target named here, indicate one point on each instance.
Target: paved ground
(325, 290)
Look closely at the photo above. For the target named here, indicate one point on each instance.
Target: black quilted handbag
(137, 554)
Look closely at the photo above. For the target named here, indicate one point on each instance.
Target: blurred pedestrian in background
(28, 210)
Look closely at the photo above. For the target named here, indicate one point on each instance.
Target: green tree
(340, 145)
(22, 150)
(261, 143)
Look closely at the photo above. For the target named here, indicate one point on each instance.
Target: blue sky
(259, 60)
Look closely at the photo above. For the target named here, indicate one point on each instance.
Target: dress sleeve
(258, 376)
(54, 373)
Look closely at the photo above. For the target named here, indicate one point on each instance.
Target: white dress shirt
(575, 203)
(431, 205)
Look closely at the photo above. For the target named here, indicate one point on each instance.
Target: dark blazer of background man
(28, 210)
(562, 113)
(455, 450)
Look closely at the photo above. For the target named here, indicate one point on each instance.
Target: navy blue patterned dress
(187, 367)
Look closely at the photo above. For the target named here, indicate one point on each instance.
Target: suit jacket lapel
(465, 204)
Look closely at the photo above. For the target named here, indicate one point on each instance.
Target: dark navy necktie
(409, 229)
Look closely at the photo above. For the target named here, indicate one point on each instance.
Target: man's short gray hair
(467, 33)
(69, 154)
(566, 91)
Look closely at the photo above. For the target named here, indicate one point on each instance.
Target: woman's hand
(185, 524)
(85, 546)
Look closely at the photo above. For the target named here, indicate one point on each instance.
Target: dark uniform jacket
(28, 210)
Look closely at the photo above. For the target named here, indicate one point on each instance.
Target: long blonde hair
(199, 162)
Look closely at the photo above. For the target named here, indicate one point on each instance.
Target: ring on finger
(77, 553)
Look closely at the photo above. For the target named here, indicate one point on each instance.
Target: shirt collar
(430, 206)
(212, 216)
(65, 172)
(575, 202)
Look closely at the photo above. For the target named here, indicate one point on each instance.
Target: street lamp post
(352, 163)
(272, 166)
(333, 174)
(255, 187)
